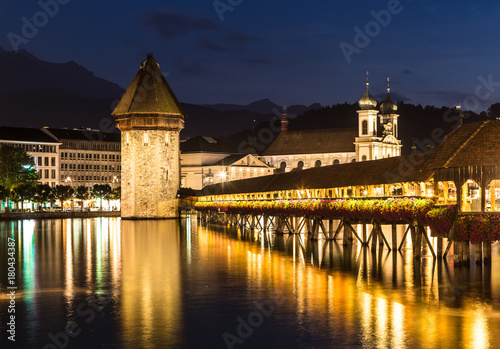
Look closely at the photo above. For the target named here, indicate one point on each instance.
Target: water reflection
(153, 284)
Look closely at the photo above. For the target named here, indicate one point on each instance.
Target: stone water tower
(150, 118)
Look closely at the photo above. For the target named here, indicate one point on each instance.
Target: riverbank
(57, 215)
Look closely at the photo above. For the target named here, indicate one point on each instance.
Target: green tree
(101, 191)
(116, 194)
(43, 194)
(23, 192)
(81, 193)
(494, 111)
(16, 168)
(63, 193)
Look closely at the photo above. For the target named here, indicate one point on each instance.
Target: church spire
(367, 101)
(388, 106)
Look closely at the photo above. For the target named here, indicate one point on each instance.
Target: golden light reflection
(68, 259)
(478, 329)
(151, 284)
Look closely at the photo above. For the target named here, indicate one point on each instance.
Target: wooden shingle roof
(376, 172)
(149, 93)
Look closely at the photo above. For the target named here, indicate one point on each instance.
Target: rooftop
(25, 135)
(336, 140)
(149, 93)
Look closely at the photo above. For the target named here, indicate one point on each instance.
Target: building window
(336, 161)
(363, 158)
(46, 173)
(39, 163)
(364, 127)
(46, 161)
(53, 161)
(300, 165)
(166, 138)
(146, 139)
(53, 174)
(317, 163)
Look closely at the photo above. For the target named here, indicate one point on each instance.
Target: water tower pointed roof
(149, 93)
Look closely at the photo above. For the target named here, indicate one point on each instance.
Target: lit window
(146, 139)
(364, 127)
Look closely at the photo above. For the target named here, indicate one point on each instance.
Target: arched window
(363, 158)
(353, 160)
(317, 163)
(300, 165)
(364, 127)
(282, 168)
(336, 161)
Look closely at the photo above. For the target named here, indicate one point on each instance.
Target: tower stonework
(150, 118)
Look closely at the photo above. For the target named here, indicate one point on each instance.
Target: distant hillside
(35, 93)
(264, 106)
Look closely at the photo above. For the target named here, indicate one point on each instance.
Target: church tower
(389, 121)
(367, 125)
(371, 143)
(150, 119)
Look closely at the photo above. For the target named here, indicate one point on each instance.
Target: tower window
(364, 127)
(166, 138)
(146, 139)
(127, 139)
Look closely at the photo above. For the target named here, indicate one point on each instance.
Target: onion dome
(367, 101)
(388, 106)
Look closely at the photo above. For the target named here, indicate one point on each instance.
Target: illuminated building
(150, 118)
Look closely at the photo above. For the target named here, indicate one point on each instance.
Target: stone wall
(150, 173)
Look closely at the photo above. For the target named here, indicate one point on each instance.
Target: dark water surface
(104, 283)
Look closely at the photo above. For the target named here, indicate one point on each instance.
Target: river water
(104, 283)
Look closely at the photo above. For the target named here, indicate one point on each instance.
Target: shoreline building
(150, 119)
(42, 147)
(208, 160)
(88, 157)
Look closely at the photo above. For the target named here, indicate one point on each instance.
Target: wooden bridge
(464, 171)
(369, 233)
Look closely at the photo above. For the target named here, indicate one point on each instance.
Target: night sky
(435, 52)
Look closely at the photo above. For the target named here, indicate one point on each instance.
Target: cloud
(128, 40)
(170, 25)
(240, 38)
(229, 41)
(193, 68)
(208, 43)
(394, 95)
